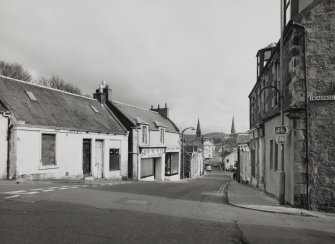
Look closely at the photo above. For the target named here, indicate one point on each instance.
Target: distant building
(309, 109)
(50, 134)
(243, 158)
(230, 159)
(208, 148)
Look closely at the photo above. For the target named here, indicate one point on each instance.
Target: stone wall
(320, 58)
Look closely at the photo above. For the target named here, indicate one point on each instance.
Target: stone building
(308, 104)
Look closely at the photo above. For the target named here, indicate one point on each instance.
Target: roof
(243, 139)
(55, 108)
(150, 117)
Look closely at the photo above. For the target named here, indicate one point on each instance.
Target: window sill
(44, 167)
(171, 174)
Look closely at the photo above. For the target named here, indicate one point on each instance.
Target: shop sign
(152, 152)
(281, 139)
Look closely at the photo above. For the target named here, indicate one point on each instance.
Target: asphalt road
(194, 211)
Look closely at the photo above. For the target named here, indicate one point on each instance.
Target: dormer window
(145, 134)
(162, 135)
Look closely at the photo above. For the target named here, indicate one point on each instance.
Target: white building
(51, 134)
(209, 148)
(230, 159)
(154, 141)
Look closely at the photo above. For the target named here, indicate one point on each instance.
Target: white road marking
(47, 190)
(37, 189)
(84, 185)
(30, 192)
(14, 192)
(63, 188)
(53, 187)
(12, 196)
(74, 187)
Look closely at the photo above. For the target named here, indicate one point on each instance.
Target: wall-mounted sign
(282, 130)
(152, 152)
(322, 98)
(281, 139)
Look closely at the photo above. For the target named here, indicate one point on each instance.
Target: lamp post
(182, 148)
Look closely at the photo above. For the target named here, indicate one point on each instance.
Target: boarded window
(114, 159)
(48, 149)
(147, 167)
(271, 154)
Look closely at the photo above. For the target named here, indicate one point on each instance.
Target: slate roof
(55, 108)
(242, 139)
(146, 115)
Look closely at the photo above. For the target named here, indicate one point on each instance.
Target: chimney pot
(152, 106)
(165, 105)
(158, 106)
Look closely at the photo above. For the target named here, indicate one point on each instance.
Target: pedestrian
(234, 176)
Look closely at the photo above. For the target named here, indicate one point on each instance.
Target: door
(87, 157)
(99, 164)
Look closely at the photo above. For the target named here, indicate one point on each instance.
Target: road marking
(47, 190)
(84, 186)
(30, 192)
(14, 192)
(12, 196)
(74, 187)
(53, 187)
(63, 188)
(37, 189)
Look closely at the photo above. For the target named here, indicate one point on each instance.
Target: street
(191, 211)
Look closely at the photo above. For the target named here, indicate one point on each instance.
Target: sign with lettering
(322, 98)
(281, 139)
(152, 152)
(282, 130)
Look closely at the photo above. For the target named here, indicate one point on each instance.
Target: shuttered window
(48, 149)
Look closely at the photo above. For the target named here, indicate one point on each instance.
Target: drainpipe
(9, 126)
(138, 153)
(306, 116)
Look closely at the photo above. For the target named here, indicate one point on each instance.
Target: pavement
(248, 197)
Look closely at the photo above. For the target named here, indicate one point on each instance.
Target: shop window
(147, 167)
(171, 163)
(48, 149)
(114, 159)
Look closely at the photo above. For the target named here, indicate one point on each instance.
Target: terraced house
(50, 134)
(154, 140)
(308, 166)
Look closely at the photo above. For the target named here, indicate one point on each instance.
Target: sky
(198, 56)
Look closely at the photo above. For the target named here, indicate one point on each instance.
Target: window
(227, 160)
(147, 167)
(114, 159)
(145, 134)
(171, 163)
(276, 156)
(271, 154)
(48, 149)
(162, 135)
(31, 96)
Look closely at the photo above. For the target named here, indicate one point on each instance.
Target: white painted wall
(232, 158)
(3, 147)
(69, 153)
(172, 144)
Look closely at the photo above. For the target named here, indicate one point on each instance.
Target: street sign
(282, 130)
(281, 139)
(322, 98)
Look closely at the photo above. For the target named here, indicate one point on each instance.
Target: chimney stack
(162, 111)
(103, 94)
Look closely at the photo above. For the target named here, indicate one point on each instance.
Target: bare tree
(14, 70)
(59, 83)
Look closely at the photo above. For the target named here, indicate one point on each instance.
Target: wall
(320, 60)
(232, 157)
(26, 156)
(196, 164)
(3, 147)
(245, 167)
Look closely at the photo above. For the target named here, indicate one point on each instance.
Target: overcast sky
(198, 56)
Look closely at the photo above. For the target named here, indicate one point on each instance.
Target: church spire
(198, 129)
(233, 131)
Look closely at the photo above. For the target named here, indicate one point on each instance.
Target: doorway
(87, 157)
(99, 159)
